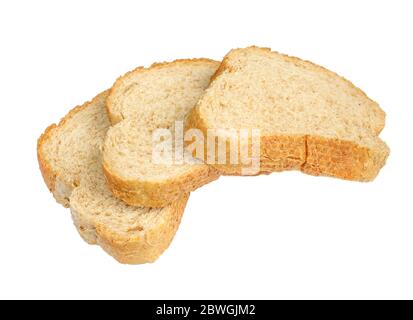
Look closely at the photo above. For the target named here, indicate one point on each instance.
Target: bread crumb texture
(310, 118)
(140, 102)
(70, 160)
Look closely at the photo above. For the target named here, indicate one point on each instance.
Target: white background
(286, 235)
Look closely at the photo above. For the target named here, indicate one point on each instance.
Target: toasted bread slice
(140, 102)
(309, 118)
(69, 156)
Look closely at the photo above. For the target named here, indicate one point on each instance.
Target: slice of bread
(310, 119)
(140, 102)
(69, 156)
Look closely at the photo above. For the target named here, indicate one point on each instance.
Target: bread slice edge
(57, 185)
(147, 193)
(345, 159)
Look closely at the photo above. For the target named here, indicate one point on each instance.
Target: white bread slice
(310, 118)
(139, 102)
(69, 156)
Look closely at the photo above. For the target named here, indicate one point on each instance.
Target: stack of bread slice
(98, 159)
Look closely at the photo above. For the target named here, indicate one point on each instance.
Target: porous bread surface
(162, 93)
(309, 117)
(71, 153)
(132, 235)
(68, 150)
(140, 102)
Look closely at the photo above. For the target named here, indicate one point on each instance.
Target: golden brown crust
(343, 159)
(49, 174)
(143, 248)
(158, 194)
(155, 194)
(311, 154)
(222, 67)
(140, 249)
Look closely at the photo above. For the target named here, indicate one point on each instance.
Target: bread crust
(158, 194)
(143, 248)
(51, 176)
(314, 155)
(148, 193)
